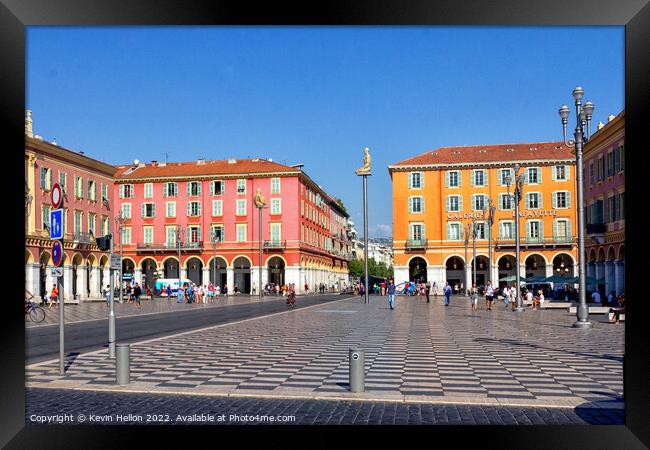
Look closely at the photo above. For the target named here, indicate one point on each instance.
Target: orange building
(436, 195)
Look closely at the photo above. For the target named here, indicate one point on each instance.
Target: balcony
(165, 247)
(416, 244)
(596, 228)
(562, 241)
(275, 245)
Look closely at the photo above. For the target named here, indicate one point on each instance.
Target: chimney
(610, 117)
(600, 125)
(153, 162)
(28, 123)
(200, 161)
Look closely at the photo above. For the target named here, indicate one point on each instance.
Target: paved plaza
(418, 353)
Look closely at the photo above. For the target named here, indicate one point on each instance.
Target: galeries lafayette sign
(479, 214)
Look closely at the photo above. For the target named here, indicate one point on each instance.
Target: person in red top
(54, 296)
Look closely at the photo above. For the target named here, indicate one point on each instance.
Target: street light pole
(111, 310)
(214, 261)
(259, 270)
(490, 209)
(583, 121)
(179, 237)
(119, 221)
(467, 233)
(518, 184)
(474, 251)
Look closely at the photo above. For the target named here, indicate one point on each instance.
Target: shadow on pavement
(602, 415)
(527, 344)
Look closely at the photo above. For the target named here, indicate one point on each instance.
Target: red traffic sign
(57, 253)
(57, 195)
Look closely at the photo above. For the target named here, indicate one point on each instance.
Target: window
(617, 160)
(478, 202)
(302, 232)
(92, 190)
(241, 186)
(533, 175)
(92, 219)
(533, 200)
(241, 232)
(503, 176)
(302, 208)
(170, 234)
(104, 225)
(194, 209)
(148, 235)
(77, 222)
(216, 231)
(217, 207)
(506, 201)
(561, 230)
(171, 209)
(478, 178)
(480, 230)
(610, 164)
(598, 212)
(454, 203)
(534, 231)
(276, 232)
(78, 187)
(591, 174)
(126, 191)
(611, 207)
(416, 232)
(415, 180)
(194, 235)
(416, 204)
(241, 208)
(454, 231)
(453, 178)
(560, 173)
(148, 210)
(148, 190)
(217, 187)
(621, 201)
(170, 189)
(46, 178)
(45, 212)
(561, 199)
(193, 188)
(506, 230)
(126, 210)
(601, 168)
(126, 235)
(275, 185)
(276, 206)
(622, 156)
(63, 178)
(104, 192)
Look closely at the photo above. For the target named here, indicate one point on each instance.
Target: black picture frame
(15, 15)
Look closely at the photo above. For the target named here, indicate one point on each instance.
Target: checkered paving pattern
(98, 310)
(419, 350)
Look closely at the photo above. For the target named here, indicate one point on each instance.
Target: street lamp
(215, 239)
(180, 232)
(518, 185)
(489, 210)
(119, 221)
(467, 232)
(472, 228)
(583, 120)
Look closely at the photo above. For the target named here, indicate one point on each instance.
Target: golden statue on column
(365, 170)
(259, 199)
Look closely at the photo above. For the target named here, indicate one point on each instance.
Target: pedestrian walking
(180, 294)
(169, 291)
(427, 290)
(513, 296)
(506, 295)
(435, 290)
(54, 297)
(391, 293)
(291, 295)
(473, 297)
(447, 291)
(107, 294)
(489, 296)
(137, 292)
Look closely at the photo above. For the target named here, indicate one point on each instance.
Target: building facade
(88, 191)
(604, 187)
(206, 210)
(438, 193)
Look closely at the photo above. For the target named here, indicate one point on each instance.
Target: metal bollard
(357, 370)
(123, 364)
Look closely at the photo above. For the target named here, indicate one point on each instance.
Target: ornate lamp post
(583, 123)
(119, 221)
(518, 185)
(260, 203)
(364, 172)
(467, 232)
(489, 210)
(215, 239)
(180, 232)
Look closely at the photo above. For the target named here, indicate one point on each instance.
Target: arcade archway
(418, 270)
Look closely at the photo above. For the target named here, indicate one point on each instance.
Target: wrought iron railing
(274, 244)
(416, 243)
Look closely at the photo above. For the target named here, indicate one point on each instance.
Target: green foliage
(340, 203)
(374, 268)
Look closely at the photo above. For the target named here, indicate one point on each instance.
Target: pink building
(604, 185)
(88, 187)
(213, 204)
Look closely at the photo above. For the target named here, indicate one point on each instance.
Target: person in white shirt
(596, 297)
(489, 296)
(529, 296)
(506, 295)
(513, 296)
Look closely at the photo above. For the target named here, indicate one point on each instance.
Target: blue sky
(314, 95)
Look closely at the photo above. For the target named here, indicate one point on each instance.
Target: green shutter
(410, 180)
(539, 174)
(568, 199)
(142, 210)
(410, 204)
(422, 204)
(555, 230)
(554, 173)
(447, 200)
(189, 209)
(554, 200)
(473, 178)
(447, 178)
(460, 178)
(541, 230)
(187, 185)
(540, 204)
(460, 203)
(567, 172)
(527, 201)
(199, 186)
(211, 187)
(153, 210)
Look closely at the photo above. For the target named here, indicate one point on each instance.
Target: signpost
(57, 272)
(57, 232)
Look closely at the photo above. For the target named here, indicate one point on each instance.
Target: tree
(355, 268)
(340, 203)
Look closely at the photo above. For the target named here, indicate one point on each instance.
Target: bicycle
(35, 312)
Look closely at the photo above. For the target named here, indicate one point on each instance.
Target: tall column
(205, 278)
(95, 286)
(619, 271)
(67, 283)
(230, 279)
(300, 284)
(107, 276)
(609, 277)
(82, 290)
(184, 276)
(600, 270)
(33, 280)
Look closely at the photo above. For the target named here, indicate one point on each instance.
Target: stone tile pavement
(417, 353)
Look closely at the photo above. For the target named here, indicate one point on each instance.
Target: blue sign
(56, 224)
(57, 253)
